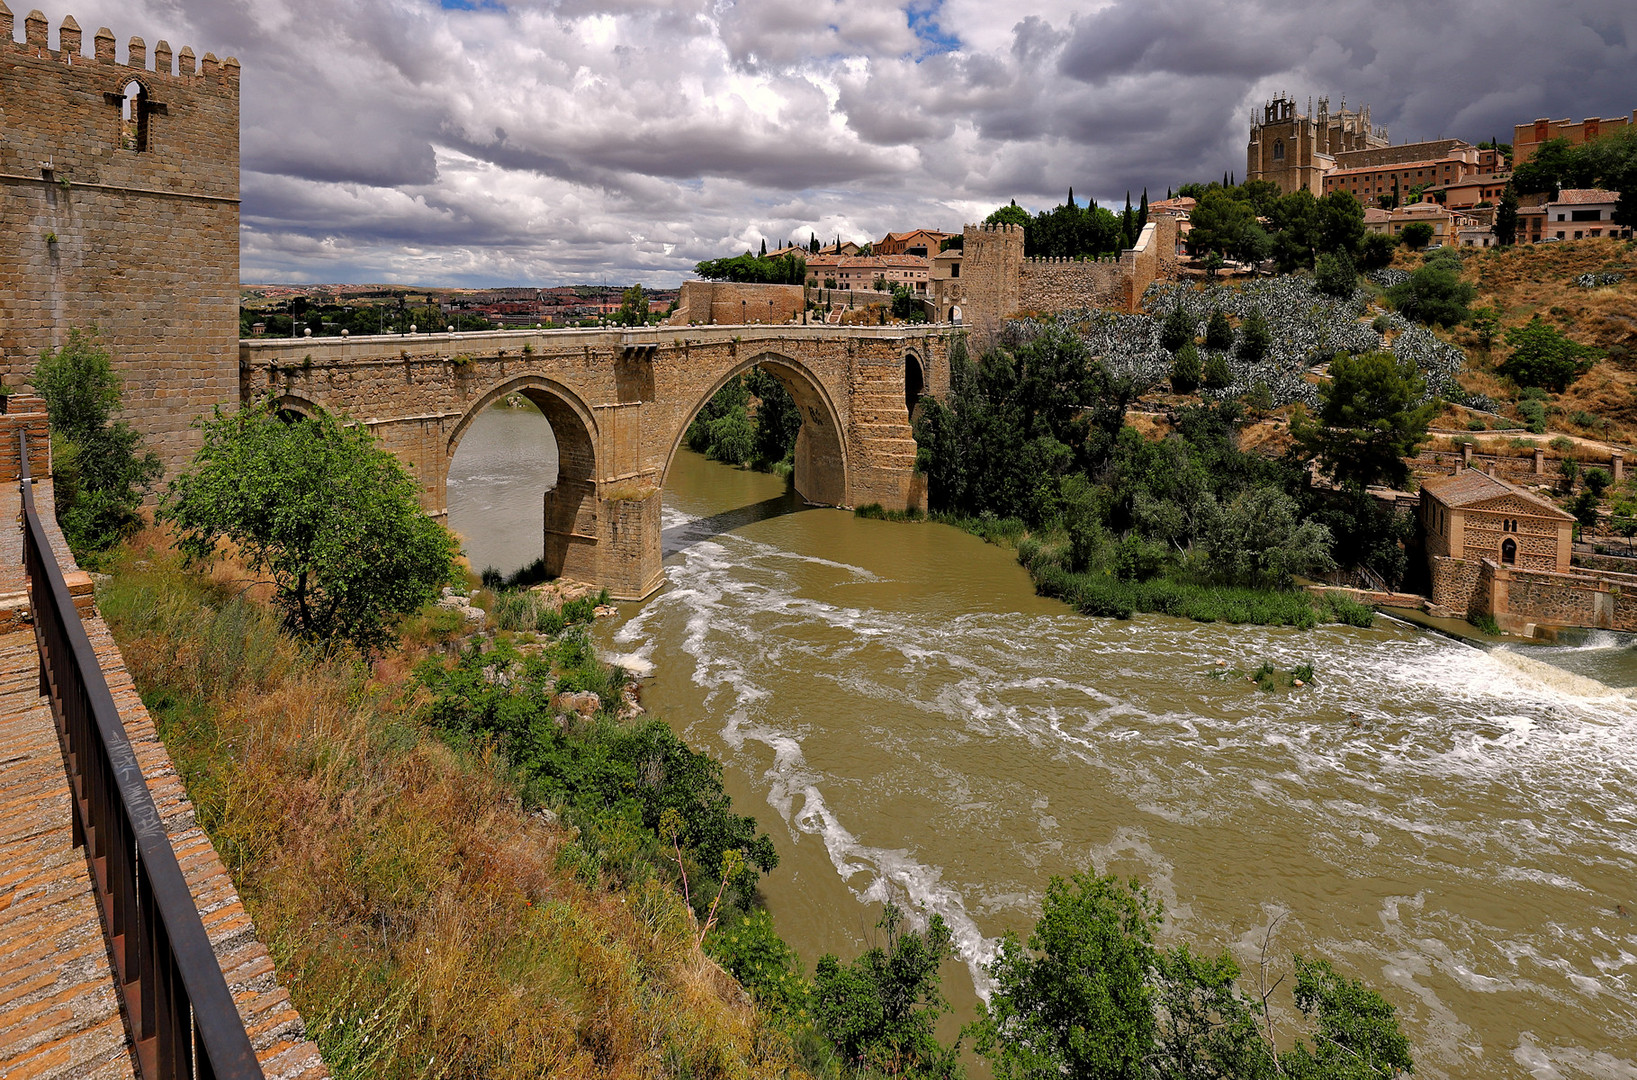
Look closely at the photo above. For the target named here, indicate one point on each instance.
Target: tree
(1416, 235)
(1434, 294)
(1254, 337)
(1257, 540)
(320, 507)
(633, 307)
(764, 248)
(1355, 1036)
(1341, 223)
(1376, 251)
(1335, 275)
(785, 270)
(1219, 221)
(778, 420)
(1216, 374)
(1506, 216)
(99, 468)
(1177, 330)
(1542, 355)
(1484, 322)
(1142, 211)
(1373, 415)
(813, 245)
(1186, 371)
(1077, 1001)
(1218, 331)
(1008, 215)
(879, 1011)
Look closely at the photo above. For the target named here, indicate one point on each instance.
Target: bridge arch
(570, 512)
(821, 474)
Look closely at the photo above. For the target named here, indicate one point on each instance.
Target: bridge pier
(619, 403)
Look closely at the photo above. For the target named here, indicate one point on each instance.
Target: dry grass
(427, 926)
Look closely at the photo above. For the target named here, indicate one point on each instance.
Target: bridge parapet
(619, 402)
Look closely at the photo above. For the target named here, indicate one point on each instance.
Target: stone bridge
(619, 402)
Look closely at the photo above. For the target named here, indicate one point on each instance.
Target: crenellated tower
(121, 211)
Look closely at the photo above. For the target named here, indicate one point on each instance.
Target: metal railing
(182, 1016)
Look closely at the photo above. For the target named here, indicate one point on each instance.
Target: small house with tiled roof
(1471, 516)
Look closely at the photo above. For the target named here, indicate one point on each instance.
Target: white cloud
(565, 140)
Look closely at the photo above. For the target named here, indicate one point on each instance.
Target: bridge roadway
(61, 1016)
(619, 402)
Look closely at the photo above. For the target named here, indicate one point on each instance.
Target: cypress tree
(1254, 338)
(1506, 217)
(1142, 211)
(1071, 195)
(764, 249)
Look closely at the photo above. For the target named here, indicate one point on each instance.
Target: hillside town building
(1527, 138)
(1583, 213)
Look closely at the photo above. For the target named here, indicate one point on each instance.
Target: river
(908, 720)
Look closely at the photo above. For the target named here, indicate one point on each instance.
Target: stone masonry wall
(1600, 600)
(1454, 582)
(141, 243)
(1050, 285)
(725, 303)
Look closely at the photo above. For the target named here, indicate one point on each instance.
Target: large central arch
(571, 507)
(821, 475)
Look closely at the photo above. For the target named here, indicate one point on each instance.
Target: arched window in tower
(1509, 551)
(1278, 149)
(133, 129)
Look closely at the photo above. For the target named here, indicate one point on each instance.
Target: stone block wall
(1454, 582)
(991, 275)
(730, 303)
(24, 412)
(133, 229)
(1050, 285)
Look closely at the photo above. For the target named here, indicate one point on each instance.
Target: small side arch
(295, 407)
(915, 381)
(821, 475)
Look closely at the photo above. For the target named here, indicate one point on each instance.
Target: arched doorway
(914, 383)
(521, 482)
(1509, 551)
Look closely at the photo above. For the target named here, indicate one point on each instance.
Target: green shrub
(1486, 623)
(1534, 415)
(1186, 370)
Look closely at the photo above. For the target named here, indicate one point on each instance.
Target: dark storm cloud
(551, 140)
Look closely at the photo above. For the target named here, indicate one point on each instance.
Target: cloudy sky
(482, 142)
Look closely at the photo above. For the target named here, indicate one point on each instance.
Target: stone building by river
(1495, 549)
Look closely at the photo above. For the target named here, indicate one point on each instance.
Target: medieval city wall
(1049, 285)
(138, 237)
(730, 303)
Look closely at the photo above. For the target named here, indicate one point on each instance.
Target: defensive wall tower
(991, 274)
(120, 210)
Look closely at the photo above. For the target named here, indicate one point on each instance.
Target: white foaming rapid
(1490, 779)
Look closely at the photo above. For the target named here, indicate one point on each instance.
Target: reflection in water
(504, 465)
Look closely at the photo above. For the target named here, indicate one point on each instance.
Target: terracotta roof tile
(1469, 487)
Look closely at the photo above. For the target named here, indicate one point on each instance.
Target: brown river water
(909, 721)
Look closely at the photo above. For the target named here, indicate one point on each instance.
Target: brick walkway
(60, 1014)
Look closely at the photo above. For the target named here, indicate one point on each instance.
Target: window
(1577, 234)
(1509, 525)
(1509, 551)
(1584, 215)
(133, 117)
(1278, 150)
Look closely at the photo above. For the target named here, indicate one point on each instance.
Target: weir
(619, 403)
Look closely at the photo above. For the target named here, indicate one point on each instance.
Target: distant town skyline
(478, 143)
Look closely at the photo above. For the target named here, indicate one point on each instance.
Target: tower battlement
(119, 199)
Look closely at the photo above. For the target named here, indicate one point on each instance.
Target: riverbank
(439, 908)
(1167, 592)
